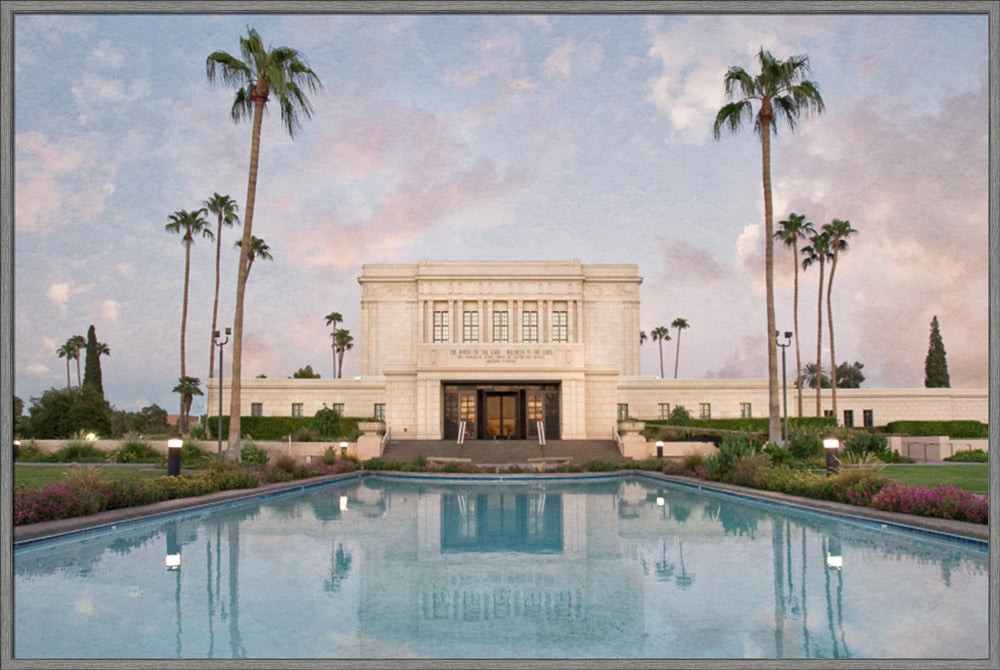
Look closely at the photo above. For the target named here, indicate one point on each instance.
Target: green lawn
(30, 475)
(969, 476)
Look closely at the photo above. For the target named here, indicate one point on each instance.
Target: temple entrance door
(501, 415)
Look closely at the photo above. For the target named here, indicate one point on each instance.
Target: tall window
(256, 409)
(705, 410)
(470, 326)
(745, 411)
(379, 412)
(529, 327)
(623, 411)
(534, 408)
(664, 412)
(338, 407)
(560, 326)
(500, 326)
(296, 409)
(440, 326)
(849, 418)
(868, 416)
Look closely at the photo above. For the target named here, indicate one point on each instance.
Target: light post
(174, 447)
(215, 340)
(784, 381)
(830, 446)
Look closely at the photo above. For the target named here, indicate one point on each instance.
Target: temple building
(512, 349)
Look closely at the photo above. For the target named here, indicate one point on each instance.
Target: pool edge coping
(30, 533)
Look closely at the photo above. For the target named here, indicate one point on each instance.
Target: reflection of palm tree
(236, 645)
(777, 558)
(664, 569)
(684, 580)
(805, 613)
(340, 566)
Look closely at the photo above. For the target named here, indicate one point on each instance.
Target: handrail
(461, 432)
(618, 438)
(541, 434)
(385, 436)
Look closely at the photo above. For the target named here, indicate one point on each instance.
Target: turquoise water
(395, 567)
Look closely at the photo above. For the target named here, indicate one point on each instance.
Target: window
(622, 411)
(379, 412)
(828, 413)
(499, 326)
(440, 326)
(338, 407)
(704, 410)
(534, 408)
(470, 326)
(849, 418)
(868, 417)
(664, 410)
(256, 409)
(529, 327)
(745, 411)
(560, 328)
(467, 408)
(296, 409)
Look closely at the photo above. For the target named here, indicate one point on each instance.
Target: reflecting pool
(389, 566)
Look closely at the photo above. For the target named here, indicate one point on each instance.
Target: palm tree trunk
(677, 352)
(67, 374)
(215, 305)
(795, 322)
(333, 348)
(661, 358)
(829, 323)
(819, 340)
(773, 405)
(233, 451)
(340, 362)
(184, 316)
(77, 370)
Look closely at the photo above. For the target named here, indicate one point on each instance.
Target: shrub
(692, 460)
(805, 443)
(193, 456)
(971, 456)
(197, 431)
(749, 469)
(733, 447)
(305, 435)
(30, 452)
(133, 449)
(78, 451)
(779, 455)
(946, 502)
(59, 500)
(326, 422)
(251, 454)
(865, 461)
(287, 463)
(330, 455)
(866, 443)
(600, 466)
(222, 475)
(680, 415)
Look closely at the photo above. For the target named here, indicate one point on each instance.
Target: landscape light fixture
(174, 447)
(659, 448)
(830, 446)
(784, 381)
(215, 340)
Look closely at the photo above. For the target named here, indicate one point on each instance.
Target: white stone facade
(508, 345)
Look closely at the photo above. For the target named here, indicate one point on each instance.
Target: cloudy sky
(497, 137)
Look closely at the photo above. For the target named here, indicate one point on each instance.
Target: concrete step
(503, 451)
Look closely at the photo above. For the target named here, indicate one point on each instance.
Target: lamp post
(215, 340)
(174, 447)
(784, 381)
(830, 446)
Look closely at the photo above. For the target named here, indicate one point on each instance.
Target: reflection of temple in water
(618, 568)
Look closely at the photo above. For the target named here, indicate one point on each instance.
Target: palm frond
(731, 117)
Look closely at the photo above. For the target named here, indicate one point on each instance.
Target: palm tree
(188, 387)
(189, 224)
(782, 94)
(332, 319)
(817, 251)
(67, 351)
(792, 229)
(258, 249)
(281, 72)
(679, 324)
(642, 337)
(659, 334)
(79, 343)
(224, 208)
(815, 375)
(838, 231)
(344, 341)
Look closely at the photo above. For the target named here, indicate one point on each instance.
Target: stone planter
(370, 427)
(631, 427)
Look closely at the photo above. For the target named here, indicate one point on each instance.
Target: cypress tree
(92, 366)
(936, 364)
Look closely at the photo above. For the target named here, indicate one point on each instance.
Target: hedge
(276, 427)
(954, 429)
(758, 425)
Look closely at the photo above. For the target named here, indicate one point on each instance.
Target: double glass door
(501, 414)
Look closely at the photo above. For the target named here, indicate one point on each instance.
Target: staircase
(496, 452)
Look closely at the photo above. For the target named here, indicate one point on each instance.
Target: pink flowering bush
(60, 500)
(947, 502)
